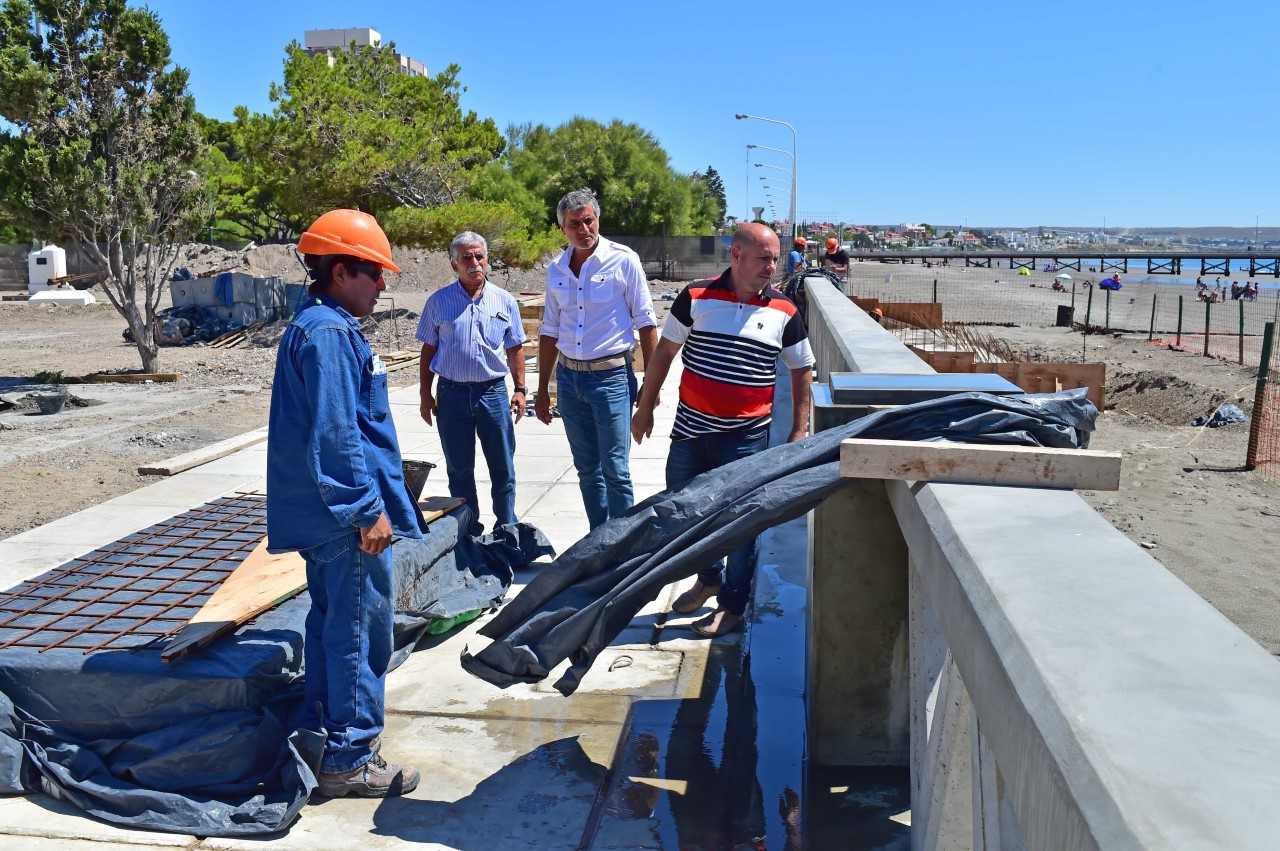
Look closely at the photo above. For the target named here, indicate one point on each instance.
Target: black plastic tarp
(577, 605)
(209, 744)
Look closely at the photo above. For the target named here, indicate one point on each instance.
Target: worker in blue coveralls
(336, 493)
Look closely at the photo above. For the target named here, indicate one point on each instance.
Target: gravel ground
(1183, 493)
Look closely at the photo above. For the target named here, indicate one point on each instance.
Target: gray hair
(578, 199)
(466, 238)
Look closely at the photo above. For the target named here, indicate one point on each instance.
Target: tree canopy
(622, 163)
(350, 130)
(106, 146)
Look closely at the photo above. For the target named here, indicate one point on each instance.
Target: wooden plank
(980, 464)
(435, 507)
(203, 455)
(130, 377)
(261, 582)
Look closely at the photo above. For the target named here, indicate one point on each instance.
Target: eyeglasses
(470, 256)
(374, 272)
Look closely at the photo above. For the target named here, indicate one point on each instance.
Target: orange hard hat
(348, 232)
(832, 244)
(802, 242)
(875, 311)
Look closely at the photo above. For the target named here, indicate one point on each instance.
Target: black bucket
(1065, 314)
(50, 403)
(415, 475)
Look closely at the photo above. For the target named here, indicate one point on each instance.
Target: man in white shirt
(597, 299)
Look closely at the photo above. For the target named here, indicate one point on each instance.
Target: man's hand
(427, 408)
(542, 406)
(800, 432)
(376, 538)
(518, 404)
(641, 424)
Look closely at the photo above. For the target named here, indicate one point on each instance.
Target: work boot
(695, 598)
(374, 779)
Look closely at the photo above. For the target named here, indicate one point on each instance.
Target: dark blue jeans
(463, 413)
(347, 647)
(690, 458)
(596, 408)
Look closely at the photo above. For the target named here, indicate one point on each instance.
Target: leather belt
(597, 365)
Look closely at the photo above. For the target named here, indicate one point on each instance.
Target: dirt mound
(1165, 398)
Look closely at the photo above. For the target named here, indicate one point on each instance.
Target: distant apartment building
(325, 42)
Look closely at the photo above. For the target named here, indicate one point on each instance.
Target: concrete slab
(21, 560)
(35, 818)
(192, 488)
(487, 783)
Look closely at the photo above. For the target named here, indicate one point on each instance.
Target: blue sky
(1145, 113)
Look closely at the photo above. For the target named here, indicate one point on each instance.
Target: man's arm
(546, 363)
(426, 378)
(656, 367)
(515, 362)
(800, 380)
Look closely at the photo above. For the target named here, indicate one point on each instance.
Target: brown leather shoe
(718, 623)
(374, 779)
(695, 598)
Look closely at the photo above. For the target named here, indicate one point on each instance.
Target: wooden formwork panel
(921, 314)
(1033, 377)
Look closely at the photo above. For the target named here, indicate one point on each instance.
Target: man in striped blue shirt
(472, 338)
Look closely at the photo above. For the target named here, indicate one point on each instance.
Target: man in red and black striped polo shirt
(733, 330)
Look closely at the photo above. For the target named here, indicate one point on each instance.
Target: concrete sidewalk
(671, 741)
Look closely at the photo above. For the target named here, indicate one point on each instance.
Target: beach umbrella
(1063, 277)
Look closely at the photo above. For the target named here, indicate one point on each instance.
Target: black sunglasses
(374, 272)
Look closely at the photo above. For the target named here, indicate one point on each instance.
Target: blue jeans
(468, 411)
(690, 458)
(596, 408)
(347, 647)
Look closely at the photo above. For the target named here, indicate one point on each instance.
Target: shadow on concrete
(541, 799)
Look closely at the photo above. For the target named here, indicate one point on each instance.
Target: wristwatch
(524, 390)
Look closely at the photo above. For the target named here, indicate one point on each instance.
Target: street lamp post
(794, 164)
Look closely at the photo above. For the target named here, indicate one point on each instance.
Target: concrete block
(242, 286)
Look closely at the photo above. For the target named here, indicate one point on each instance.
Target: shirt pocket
(605, 288)
(378, 403)
(494, 330)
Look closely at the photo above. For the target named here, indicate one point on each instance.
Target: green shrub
(508, 233)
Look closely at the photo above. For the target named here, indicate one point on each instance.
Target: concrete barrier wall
(1111, 707)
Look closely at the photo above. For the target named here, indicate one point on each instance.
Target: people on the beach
(732, 329)
(597, 300)
(472, 339)
(336, 494)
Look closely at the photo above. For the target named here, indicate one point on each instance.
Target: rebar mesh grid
(138, 589)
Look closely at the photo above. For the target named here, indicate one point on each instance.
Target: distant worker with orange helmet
(336, 494)
(836, 259)
(795, 259)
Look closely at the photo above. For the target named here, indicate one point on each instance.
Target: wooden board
(435, 507)
(980, 464)
(261, 582)
(204, 455)
(130, 377)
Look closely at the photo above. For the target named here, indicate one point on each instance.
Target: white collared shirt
(596, 313)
